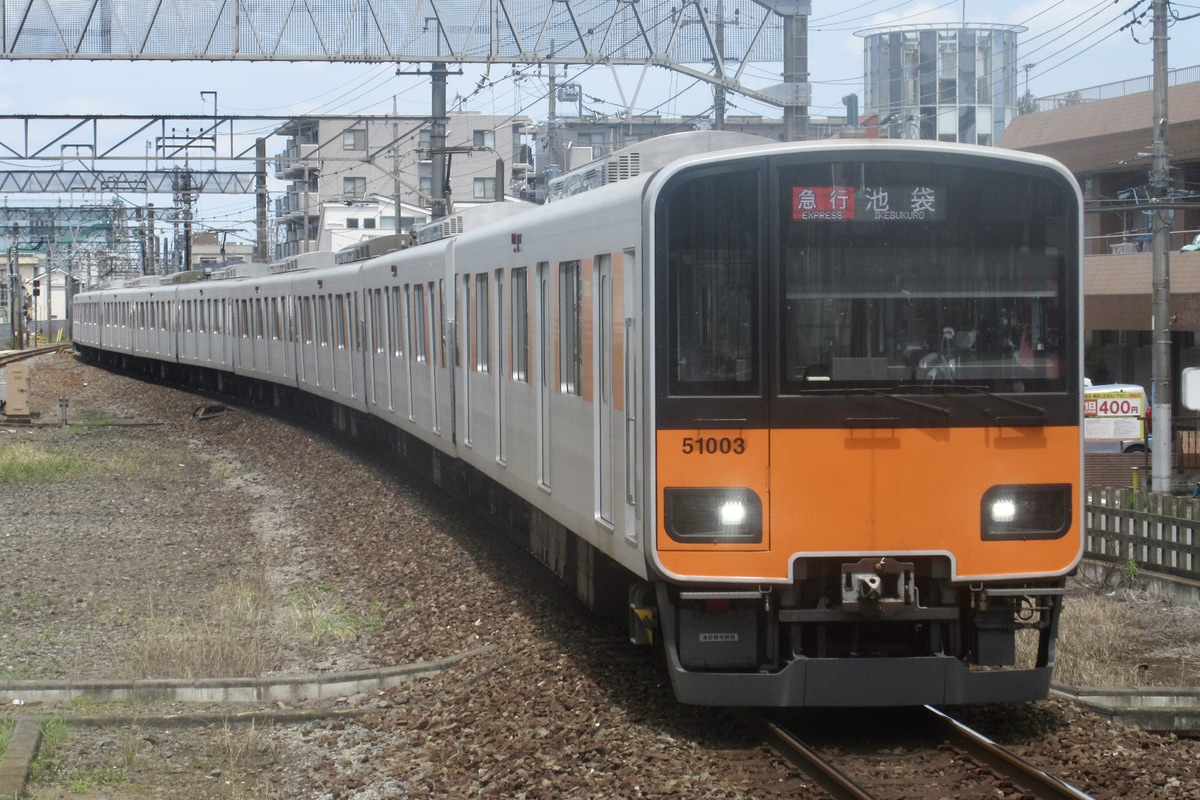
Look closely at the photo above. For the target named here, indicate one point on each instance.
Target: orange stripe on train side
(881, 491)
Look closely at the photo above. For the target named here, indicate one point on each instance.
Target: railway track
(922, 753)
(11, 356)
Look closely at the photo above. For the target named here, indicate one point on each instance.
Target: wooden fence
(1158, 532)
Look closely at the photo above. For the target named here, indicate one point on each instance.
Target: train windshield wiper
(899, 398)
(1027, 420)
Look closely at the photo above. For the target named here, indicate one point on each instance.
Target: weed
(231, 636)
(54, 734)
(131, 743)
(1129, 575)
(321, 615)
(83, 781)
(7, 726)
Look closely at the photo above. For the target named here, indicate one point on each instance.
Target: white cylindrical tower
(951, 83)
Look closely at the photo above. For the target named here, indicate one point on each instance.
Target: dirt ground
(156, 535)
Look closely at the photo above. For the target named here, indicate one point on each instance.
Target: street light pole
(1161, 321)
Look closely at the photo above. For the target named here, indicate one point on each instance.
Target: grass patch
(47, 766)
(7, 726)
(231, 637)
(23, 462)
(54, 735)
(89, 418)
(321, 615)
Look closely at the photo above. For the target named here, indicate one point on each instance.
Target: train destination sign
(867, 203)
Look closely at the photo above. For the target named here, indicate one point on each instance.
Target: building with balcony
(1105, 135)
(365, 160)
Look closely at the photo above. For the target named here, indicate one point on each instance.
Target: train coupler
(878, 585)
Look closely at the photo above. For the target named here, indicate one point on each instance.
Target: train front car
(866, 423)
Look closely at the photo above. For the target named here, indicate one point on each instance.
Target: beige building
(1105, 142)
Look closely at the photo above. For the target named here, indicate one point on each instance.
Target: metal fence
(1157, 532)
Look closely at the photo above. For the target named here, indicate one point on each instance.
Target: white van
(1115, 417)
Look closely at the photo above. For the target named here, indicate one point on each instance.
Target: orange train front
(866, 424)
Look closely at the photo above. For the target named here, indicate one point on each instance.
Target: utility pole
(1160, 461)
(437, 142)
(261, 243)
(551, 123)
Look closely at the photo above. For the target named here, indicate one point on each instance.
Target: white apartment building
(371, 161)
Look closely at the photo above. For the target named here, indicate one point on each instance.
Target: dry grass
(1097, 645)
(234, 637)
(1117, 639)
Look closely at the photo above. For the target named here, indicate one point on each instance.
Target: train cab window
(920, 275)
(714, 263)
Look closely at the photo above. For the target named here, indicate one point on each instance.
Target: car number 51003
(711, 445)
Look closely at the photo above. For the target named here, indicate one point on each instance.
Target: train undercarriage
(874, 631)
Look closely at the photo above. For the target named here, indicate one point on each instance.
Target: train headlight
(712, 515)
(1026, 511)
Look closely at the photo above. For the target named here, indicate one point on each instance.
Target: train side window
(520, 324)
(339, 305)
(378, 322)
(323, 320)
(482, 329)
(437, 313)
(500, 324)
(418, 318)
(570, 320)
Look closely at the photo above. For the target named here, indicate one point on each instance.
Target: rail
(1005, 766)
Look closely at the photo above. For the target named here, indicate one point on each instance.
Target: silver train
(711, 391)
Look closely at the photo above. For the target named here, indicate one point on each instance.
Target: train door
(469, 360)
(501, 422)
(372, 345)
(603, 361)
(544, 360)
(630, 351)
(410, 347)
(438, 354)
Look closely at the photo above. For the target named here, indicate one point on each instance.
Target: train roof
(469, 219)
(647, 156)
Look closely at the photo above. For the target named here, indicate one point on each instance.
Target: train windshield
(899, 275)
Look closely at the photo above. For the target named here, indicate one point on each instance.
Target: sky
(1068, 45)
